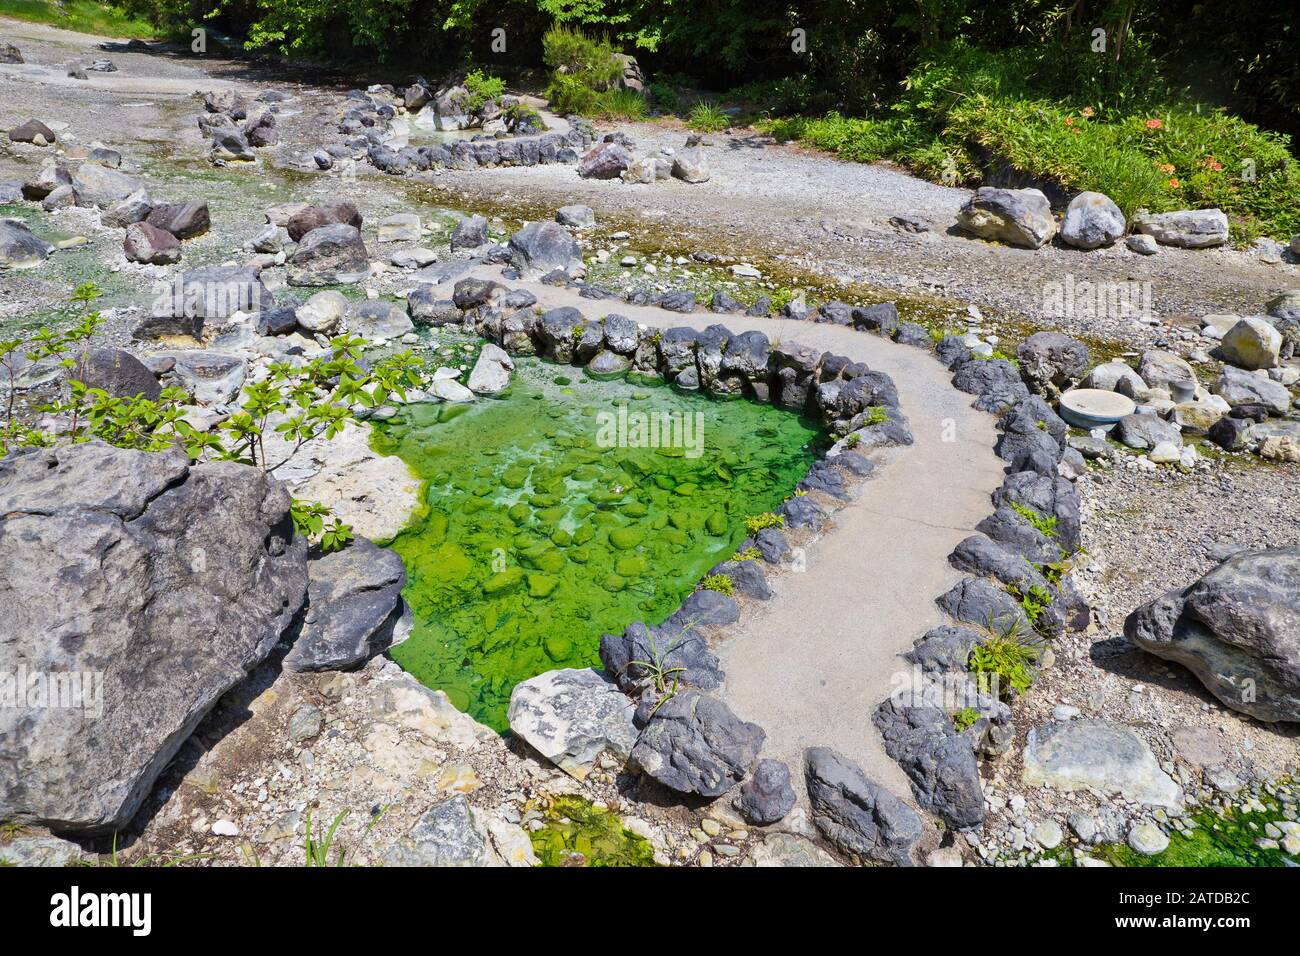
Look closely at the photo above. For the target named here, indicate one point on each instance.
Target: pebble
(1147, 839)
(711, 827)
(225, 828)
(1048, 834)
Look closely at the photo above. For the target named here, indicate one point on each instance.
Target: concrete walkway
(812, 664)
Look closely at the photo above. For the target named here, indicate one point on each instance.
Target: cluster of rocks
(1248, 407)
(237, 127)
(377, 124)
(153, 230)
(1092, 220)
(612, 158)
(115, 557)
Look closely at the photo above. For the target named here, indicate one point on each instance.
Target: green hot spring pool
(546, 526)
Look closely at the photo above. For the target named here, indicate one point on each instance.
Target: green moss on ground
(576, 833)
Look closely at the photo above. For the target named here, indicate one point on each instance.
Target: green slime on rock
(576, 833)
(535, 540)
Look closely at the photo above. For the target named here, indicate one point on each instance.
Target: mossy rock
(541, 585)
(626, 538)
(503, 581)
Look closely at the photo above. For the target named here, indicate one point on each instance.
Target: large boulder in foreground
(865, 821)
(1018, 217)
(141, 589)
(1237, 629)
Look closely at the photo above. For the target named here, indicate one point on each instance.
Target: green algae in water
(579, 834)
(534, 540)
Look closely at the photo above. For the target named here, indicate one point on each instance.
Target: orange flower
(1209, 162)
(1174, 183)
(1087, 112)
(1154, 124)
(1165, 167)
(1069, 121)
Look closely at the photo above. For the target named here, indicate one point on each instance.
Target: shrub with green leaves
(1043, 524)
(586, 73)
(482, 87)
(718, 582)
(756, 523)
(1004, 663)
(298, 402)
(1120, 132)
(707, 118)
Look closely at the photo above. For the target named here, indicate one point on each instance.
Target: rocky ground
(375, 744)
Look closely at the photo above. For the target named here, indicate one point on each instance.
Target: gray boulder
(1161, 369)
(621, 334)
(1097, 755)
(160, 585)
(134, 208)
(117, 372)
(1237, 629)
(1252, 343)
(542, 247)
(860, 818)
(981, 603)
(938, 760)
(1092, 220)
(326, 213)
(354, 602)
(19, 246)
(706, 608)
(182, 220)
(150, 245)
(32, 131)
(1147, 431)
(470, 233)
(328, 255)
(216, 292)
(691, 166)
(630, 657)
(575, 216)
(571, 717)
(1019, 217)
(99, 186)
(1187, 228)
(377, 319)
(1051, 360)
(1286, 305)
(767, 796)
(211, 378)
(694, 744)
(1245, 388)
(491, 373)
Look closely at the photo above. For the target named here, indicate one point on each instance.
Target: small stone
(1148, 839)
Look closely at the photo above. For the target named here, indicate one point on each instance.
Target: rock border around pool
(1004, 562)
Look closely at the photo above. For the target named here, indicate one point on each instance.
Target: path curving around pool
(811, 666)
